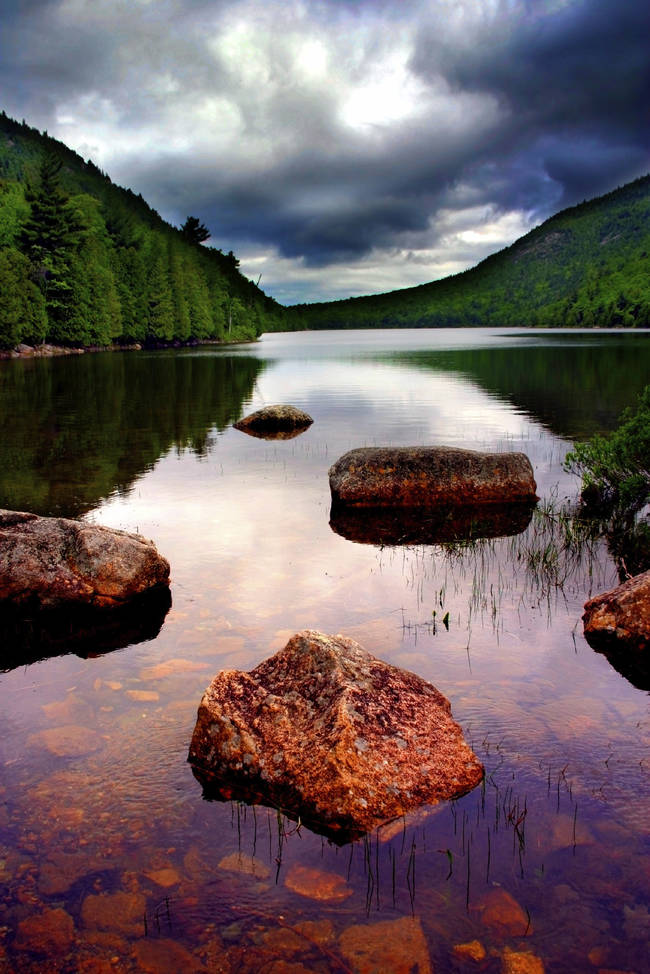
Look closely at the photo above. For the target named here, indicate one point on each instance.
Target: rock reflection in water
(27, 637)
(271, 434)
(414, 526)
(631, 663)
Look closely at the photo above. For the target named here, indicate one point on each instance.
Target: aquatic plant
(615, 470)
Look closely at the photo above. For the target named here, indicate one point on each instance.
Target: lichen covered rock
(427, 476)
(330, 734)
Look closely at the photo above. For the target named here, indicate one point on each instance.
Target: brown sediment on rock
(332, 735)
(428, 476)
(437, 525)
(275, 422)
(617, 623)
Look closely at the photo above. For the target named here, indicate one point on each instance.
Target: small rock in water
(387, 947)
(317, 884)
(280, 422)
(50, 933)
(239, 862)
(474, 950)
(69, 741)
(503, 915)
(516, 962)
(165, 956)
(116, 912)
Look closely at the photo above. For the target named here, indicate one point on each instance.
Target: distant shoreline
(46, 350)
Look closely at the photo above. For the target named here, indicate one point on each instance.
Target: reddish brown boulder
(426, 476)
(330, 734)
(50, 563)
(622, 615)
(617, 623)
(275, 422)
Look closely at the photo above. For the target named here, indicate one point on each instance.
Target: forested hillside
(588, 266)
(85, 262)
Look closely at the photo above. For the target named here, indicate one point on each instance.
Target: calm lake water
(110, 858)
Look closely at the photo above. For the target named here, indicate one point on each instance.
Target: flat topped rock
(426, 476)
(280, 421)
(329, 733)
(52, 563)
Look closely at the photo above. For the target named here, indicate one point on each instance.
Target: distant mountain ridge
(86, 262)
(587, 266)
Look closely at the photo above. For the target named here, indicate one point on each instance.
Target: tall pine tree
(49, 238)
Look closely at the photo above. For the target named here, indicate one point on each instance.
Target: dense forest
(84, 262)
(588, 266)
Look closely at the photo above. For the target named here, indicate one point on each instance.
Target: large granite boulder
(275, 422)
(425, 476)
(617, 623)
(330, 734)
(49, 563)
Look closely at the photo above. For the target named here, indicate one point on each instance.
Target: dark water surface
(110, 859)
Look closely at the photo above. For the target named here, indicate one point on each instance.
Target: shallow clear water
(105, 838)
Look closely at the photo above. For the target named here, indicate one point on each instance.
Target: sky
(339, 147)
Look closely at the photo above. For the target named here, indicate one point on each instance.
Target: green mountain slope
(85, 262)
(588, 266)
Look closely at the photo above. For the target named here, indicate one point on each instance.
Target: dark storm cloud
(338, 132)
(573, 84)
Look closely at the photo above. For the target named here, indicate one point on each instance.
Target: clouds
(342, 147)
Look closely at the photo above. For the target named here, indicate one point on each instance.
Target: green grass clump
(615, 470)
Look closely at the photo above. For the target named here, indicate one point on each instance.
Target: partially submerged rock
(617, 623)
(438, 525)
(330, 734)
(52, 561)
(275, 422)
(63, 582)
(428, 476)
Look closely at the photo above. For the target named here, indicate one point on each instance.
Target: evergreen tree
(48, 238)
(22, 306)
(194, 231)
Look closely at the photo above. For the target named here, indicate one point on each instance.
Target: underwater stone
(310, 704)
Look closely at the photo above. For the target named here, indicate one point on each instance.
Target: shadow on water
(30, 636)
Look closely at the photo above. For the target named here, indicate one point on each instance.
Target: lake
(110, 857)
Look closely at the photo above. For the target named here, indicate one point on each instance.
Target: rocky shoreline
(46, 350)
